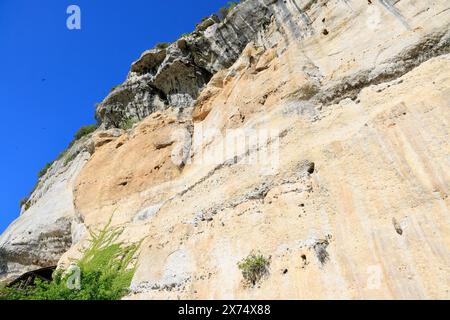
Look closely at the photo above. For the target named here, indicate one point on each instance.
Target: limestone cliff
(315, 132)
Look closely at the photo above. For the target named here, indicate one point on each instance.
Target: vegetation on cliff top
(82, 132)
(224, 11)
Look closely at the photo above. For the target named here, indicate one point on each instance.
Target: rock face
(175, 75)
(50, 225)
(314, 132)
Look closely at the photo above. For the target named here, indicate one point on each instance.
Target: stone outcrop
(174, 76)
(315, 132)
(48, 225)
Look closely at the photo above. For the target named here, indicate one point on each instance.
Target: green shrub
(84, 131)
(28, 204)
(231, 5)
(162, 45)
(128, 124)
(44, 170)
(254, 268)
(106, 269)
(25, 202)
(224, 11)
(70, 158)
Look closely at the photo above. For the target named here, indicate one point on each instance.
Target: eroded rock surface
(174, 76)
(315, 132)
(49, 224)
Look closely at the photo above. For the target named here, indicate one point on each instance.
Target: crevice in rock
(321, 251)
(304, 262)
(311, 167)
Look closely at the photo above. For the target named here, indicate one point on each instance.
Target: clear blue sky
(52, 77)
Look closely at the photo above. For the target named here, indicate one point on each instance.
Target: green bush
(162, 45)
(27, 199)
(224, 11)
(70, 158)
(84, 131)
(24, 202)
(231, 5)
(254, 268)
(44, 170)
(128, 124)
(106, 268)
